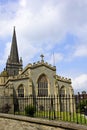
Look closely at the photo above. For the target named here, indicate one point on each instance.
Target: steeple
(14, 58)
(13, 64)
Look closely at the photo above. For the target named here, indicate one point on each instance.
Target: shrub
(41, 107)
(30, 110)
(5, 108)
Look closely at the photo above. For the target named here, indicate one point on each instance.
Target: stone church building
(37, 79)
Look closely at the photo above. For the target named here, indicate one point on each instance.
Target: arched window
(42, 86)
(62, 99)
(21, 91)
(62, 91)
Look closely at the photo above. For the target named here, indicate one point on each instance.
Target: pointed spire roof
(14, 57)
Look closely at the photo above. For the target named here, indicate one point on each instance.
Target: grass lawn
(62, 116)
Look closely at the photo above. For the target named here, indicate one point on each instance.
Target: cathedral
(36, 79)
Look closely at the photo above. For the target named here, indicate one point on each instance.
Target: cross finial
(42, 56)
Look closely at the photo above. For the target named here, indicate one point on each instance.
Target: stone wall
(14, 122)
(8, 124)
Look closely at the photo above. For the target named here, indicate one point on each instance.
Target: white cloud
(22, 3)
(48, 19)
(27, 51)
(81, 50)
(80, 83)
(5, 55)
(41, 25)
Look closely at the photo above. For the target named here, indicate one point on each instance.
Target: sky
(55, 28)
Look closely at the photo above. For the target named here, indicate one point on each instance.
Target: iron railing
(61, 107)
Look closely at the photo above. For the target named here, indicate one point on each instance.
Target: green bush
(30, 110)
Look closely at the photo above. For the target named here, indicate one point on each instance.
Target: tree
(82, 105)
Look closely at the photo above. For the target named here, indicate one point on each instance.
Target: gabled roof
(39, 64)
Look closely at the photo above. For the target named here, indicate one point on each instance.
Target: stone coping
(40, 121)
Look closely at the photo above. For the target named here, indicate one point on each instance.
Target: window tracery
(21, 91)
(42, 86)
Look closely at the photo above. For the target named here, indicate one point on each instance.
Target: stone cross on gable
(42, 56)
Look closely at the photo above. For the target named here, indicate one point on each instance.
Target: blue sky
(48, 27)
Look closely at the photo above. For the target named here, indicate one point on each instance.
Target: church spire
(14, 58)
(13, 64)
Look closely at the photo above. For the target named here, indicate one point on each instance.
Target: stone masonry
(12, 122)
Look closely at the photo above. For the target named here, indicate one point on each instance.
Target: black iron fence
(61, 107)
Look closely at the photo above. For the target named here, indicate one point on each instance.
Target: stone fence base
(14, 122)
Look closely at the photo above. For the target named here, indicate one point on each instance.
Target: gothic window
(21, 91)
(62, 91)
(62, 99)
(42, 86)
